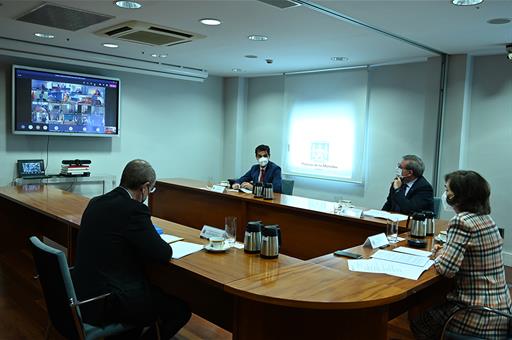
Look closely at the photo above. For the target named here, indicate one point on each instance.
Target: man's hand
(247, 185)
(236, 186)
(397, 183)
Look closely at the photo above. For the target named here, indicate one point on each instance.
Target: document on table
(247, 191)
(375, 265)
(392, 256)
(412, 251)
(170, 238)
(182, 248)
(384, 214)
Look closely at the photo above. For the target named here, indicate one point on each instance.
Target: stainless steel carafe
(252, 238)
(417, 225)
(270, 241)
(430, 224)
(268, 191)
(257, 190)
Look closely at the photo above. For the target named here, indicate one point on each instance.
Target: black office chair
(59, 294)
(437, 206)
(287, 186)
(447, 335)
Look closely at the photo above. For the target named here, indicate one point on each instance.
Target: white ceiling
(300, 38)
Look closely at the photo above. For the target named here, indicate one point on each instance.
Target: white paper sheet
(170, 238)
(247, 191)
(392, 256)
(384, 214)
(412, 251)
(182, 248)
(388, 267)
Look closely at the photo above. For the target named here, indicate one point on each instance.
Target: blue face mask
(446, 206)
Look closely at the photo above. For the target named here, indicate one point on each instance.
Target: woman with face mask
(265, 171)
(472, 256)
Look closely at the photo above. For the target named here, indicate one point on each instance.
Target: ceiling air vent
(66, 18)
(280, 3)
(149, 34)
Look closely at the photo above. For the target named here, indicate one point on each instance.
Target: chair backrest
(287, 186)
(52, 269)
(437, 206)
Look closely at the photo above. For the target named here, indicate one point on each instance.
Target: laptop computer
(31, 168)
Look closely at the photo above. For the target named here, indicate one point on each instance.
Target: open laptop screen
(30, 167)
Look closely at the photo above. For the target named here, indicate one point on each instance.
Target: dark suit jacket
(115, 240)
(419, 198)
(272, 175)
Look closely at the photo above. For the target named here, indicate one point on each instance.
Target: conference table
(254, 298)
(300, 219)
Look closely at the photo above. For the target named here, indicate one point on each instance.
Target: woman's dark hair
(471, 192)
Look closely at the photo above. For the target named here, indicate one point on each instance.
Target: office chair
(437, 206)
(446, 335)
(59, 294)
(287, 186)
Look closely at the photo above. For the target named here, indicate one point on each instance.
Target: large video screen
(49, 102)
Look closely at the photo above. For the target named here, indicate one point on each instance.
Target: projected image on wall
(67, 106)
(321, 142)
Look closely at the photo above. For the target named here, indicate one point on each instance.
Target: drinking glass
(392, 231)
(230, 229)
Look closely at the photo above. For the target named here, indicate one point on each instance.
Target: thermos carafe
(252, 238)
(257, 190)
(268, 191)
(430, 224)
(270, 241)
(417, 225)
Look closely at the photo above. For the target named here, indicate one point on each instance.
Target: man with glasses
(410, 192)
(116, 240)
(265, 171)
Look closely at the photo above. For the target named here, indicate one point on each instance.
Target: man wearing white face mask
(116, 240)
(265, 171)
(410, 192)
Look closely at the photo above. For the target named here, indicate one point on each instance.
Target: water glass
(392, 231)
(230, 229)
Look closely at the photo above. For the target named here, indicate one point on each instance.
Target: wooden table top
(297, 203)
(321, 283)
(48, 200)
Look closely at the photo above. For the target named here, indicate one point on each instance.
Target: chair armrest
(96, 298)
(472, 309)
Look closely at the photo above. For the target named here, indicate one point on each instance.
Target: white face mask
(446, 206)
(398, 172)
(263, 161)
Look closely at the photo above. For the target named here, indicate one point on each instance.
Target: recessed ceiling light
(109, 45)
(467, 2)
(256, 37)
(154, 55)
(44, 35)
(498, 21)
(163, 55)
(210, 21)
(128, 4)
(251, 56)
(339, 59)
(237, 70)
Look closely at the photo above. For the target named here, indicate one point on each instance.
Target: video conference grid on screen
(61, 103)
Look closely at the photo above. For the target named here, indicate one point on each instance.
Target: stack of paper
(384, 214)
(170, 238)
(393, 263)
(182, 248)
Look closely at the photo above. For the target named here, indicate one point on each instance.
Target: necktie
(262, 175)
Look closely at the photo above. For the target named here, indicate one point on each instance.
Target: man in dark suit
(115, 241)
(265, 171)
(410, 192)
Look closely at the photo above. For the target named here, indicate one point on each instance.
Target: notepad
(391, 256)
(412, 251)
(170, 238)
(182, 248)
